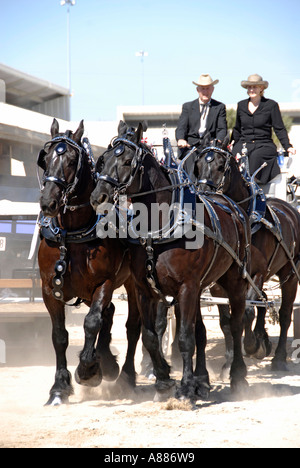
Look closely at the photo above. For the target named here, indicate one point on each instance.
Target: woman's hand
(292, 151)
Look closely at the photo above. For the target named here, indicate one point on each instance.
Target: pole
(142, 54)
(69, 3)
(69, 50)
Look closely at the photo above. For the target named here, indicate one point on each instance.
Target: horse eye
(127, 162)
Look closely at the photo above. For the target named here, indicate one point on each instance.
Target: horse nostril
(103, 198)
(53, 205)
(98, 202)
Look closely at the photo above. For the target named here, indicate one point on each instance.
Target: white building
(27, 108)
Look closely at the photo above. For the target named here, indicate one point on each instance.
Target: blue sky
(230, 39)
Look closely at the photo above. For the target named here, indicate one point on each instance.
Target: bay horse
(172, 269)
(275, 246)
(75, 263)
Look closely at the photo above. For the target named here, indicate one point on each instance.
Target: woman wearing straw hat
(255, 119)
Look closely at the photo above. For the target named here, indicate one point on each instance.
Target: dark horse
(275, 245)
(129, 167)
(75, 263)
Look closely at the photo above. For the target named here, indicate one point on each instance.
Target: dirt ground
(267, 416)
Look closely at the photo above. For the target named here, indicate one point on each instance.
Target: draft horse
(75, 263)
(275, 245)
(129, 167)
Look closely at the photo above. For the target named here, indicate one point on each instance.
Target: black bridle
(209, 155)
(68, 189)
(118, 147)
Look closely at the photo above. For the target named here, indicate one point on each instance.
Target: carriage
(284, 187)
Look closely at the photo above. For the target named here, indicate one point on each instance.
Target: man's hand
(183, 144)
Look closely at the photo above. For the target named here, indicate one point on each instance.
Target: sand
(267, 416)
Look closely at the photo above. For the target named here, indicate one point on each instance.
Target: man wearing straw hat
(201, 117)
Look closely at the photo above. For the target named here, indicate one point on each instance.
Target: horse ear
(196, 169)
(54, 128)
(207, 140)
(100, 164)
(226, 142)
(79, 132)
(139, 133)
(122, 128)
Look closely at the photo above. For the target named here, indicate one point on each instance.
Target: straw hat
(205, 80)
(255, 80)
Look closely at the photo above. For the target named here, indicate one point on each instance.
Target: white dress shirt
(204, 111)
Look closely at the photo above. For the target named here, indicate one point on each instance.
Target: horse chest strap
(60, 270)
(150, 273)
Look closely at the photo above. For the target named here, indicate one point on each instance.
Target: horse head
(62, 161)
(212, 166)
(120, 168)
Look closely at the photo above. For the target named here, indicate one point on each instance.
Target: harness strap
(58, 280)
(150, 273)
(209, 233)
(277, 232)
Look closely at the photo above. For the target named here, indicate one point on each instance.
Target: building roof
(27, 91)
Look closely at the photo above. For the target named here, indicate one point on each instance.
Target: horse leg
(236, 291)
(99, 318)
(264, 347)
(161, 324)
(133, 327)
(175, 354)
(224, 312)
(256, 343)
(62, 387)
(201, 377)
(109, 367)
(148, 309)
(289, 291)
(188, 303)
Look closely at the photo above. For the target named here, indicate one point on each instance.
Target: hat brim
(211, 84)
(245, 84)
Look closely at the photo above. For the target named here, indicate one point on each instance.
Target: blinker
(209, 157)
(61, 148)
(119, 150)
(41, 159)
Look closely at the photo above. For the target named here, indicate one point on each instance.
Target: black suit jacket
(189, 122)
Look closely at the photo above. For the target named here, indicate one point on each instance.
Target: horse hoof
(93, 381)
(202, 392)
(110, 368)
(239, 388)
(279, 366)
(202, 388)
(225, 373)
(56, 399)
(164, 391)
(127, 380)
(261, 352)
